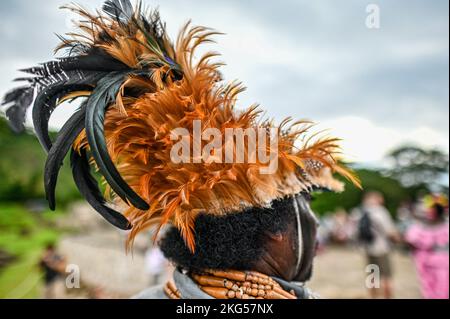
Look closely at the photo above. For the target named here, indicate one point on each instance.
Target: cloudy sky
(376, 88)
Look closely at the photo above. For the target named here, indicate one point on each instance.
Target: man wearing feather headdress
(235, 230)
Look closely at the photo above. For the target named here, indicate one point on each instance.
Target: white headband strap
(300, 236)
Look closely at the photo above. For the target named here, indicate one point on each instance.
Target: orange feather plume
(138, 130)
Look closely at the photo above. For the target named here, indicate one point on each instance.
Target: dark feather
(52, 80)
(152, 28)
(66, 137)
(88, 187)
(121, 10)
(47, 99)
(20, 98)
(73, 48)
(96, 60)
(155, 27)
(103, 95)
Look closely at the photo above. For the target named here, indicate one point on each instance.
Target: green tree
(418, 169)
(22, 169)
(372, 180)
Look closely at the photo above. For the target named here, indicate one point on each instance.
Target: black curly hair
(235, 241)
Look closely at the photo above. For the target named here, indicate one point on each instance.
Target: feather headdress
(137, 87)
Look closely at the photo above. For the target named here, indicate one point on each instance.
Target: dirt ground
(339, 272)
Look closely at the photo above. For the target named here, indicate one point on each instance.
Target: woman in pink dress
(430, 242)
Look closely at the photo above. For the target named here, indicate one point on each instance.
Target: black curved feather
(52, 80)
(66, 137)
(46, 100)
(103, 95)
(88, 187)
(96, 60)
(20, 98)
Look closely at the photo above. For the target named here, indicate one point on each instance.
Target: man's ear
(278, 236)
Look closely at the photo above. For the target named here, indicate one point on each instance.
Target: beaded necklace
(234, 285)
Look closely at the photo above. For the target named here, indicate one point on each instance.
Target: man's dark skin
(280, 257)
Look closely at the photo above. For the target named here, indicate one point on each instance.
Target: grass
(24, 235)
(22, 279)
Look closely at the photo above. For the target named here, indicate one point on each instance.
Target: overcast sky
(376, 88)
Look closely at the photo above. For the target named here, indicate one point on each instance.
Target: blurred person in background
(429, 240)
(53, 265)
(376, 231)
(155, 265)
(324, 233)
(341, 229)
(405, 216)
